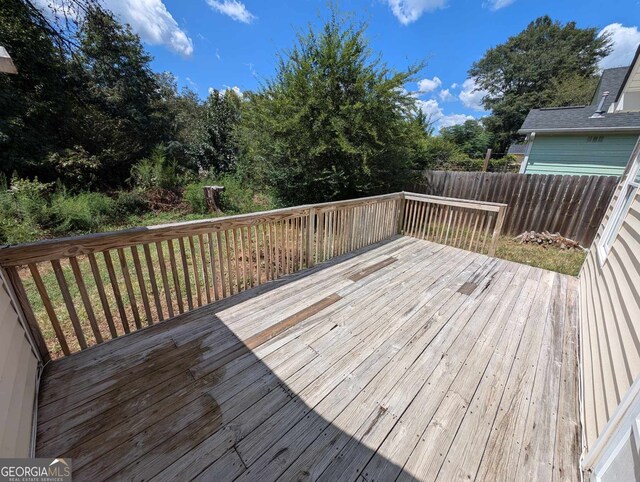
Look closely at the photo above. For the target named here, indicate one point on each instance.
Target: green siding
(575, 155)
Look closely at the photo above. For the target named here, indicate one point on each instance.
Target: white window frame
(630, 188)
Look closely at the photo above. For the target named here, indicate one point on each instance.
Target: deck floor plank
(406, 360)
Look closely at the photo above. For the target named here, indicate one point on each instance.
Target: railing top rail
(462, 203)
(51, 249)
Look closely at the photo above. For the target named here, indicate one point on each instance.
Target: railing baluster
(214, 277)
(101, 293)
(185, 272)
(143, 286)
(129, 287)
(175, 275)
(163, 275)
(116, 291)
(223, 283)
(154, 283)
(86, 301)
(242, 258)
(68, 301)
(48, 306)
(196, 271)
(205, 270)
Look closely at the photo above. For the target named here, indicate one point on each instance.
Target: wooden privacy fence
(85, 290)
(570, 205)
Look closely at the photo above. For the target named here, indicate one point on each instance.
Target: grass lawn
(545, 257)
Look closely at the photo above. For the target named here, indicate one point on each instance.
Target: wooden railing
(471, 225)
(85, 290)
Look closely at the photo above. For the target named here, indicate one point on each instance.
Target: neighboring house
(518, 151)
(596, 139)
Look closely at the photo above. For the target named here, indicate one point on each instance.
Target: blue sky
(233, 44)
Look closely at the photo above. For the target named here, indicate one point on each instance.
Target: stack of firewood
(547, 239)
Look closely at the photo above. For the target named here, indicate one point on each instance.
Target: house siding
(573, 154)
(610, 323)
(18, 369)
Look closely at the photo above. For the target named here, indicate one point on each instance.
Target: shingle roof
(579, 118)
(610, 81)
(517, 149)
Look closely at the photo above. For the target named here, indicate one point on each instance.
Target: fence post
(497, 230)
(487, 157)
(311, 238)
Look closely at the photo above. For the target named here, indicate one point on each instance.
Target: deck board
(407, 360)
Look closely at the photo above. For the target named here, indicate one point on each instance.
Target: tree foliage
(86, 106)
(527, 70)
(471, 138)
(120, 118)
(33, 104)
(216, 147)
(334, 122)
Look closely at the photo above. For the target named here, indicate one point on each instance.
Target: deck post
(311, 237)
(497, 230)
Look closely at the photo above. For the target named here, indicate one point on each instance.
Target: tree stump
(212, 198)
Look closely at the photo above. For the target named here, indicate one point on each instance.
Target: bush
(81, 213)
(436, 152)
(75, 167)
(154, 172)
(237, 197)
(194, 197)
(23, 208)
(129, 203)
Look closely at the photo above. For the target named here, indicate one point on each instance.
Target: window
(627, 194)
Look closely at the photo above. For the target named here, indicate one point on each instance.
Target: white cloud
(148, 18)
(431, 109)
(453, 120)
(234, 9)
(429, 85)
(434, 113)
(625, 42)
(152, 21)
(445, 95)
(471, 96)
(235, 89)
(498, 4)
(408, 11)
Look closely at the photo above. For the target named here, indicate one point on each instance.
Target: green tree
(335, 122)
(34, 103)
(215, 147)
(119, 118)
(180, 114)
(471, 137)
(521, 73)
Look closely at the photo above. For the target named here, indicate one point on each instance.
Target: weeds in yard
(567, 261)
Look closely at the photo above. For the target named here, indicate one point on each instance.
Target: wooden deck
(408, 360)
